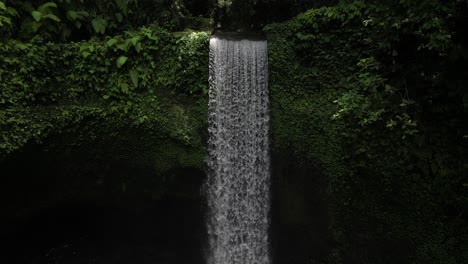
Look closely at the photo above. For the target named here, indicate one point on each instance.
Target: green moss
(337, 102)
(58, 89)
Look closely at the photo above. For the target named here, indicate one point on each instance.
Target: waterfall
(238, 182)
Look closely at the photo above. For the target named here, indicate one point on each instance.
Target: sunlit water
(239, 164)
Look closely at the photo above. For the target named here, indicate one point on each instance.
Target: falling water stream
(238, 182)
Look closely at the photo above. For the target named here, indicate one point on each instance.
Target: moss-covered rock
(367, 146)
(120, 120)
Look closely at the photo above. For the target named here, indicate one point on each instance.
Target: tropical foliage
(78, 19)
(370, 93)
(375, 91)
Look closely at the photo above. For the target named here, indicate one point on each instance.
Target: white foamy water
(238, 182)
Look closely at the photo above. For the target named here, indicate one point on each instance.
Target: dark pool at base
(166, 231)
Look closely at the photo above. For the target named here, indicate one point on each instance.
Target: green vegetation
(48, 87)
(372, 94)
(135, 80)
(77, 19)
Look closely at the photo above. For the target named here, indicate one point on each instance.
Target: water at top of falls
(238, 185)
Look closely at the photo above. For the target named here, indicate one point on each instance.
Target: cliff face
(122, 123)
(361, 170)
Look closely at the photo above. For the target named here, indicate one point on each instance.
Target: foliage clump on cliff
(135, 80)
(375, 93)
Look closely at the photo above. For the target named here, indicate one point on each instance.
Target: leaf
(72, 14)
(2, 6)
(123, 47)
(119, 17)
(391, 123)
(111, 42)
(138, 47)
(124, 87)
(128, 44)
(82, 14)
(105, 97)
(99, 25)
(85, 54)
(121, 61)
(53, 17)
(36, 15)
(142, 119)
(11, 11)
(135, 40)
(134, 76)
(43, 8)
(35, 26)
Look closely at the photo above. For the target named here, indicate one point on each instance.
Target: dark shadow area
(300, 213)
(247, 15)
(239, 35)
(167, 231)
(65, 208)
